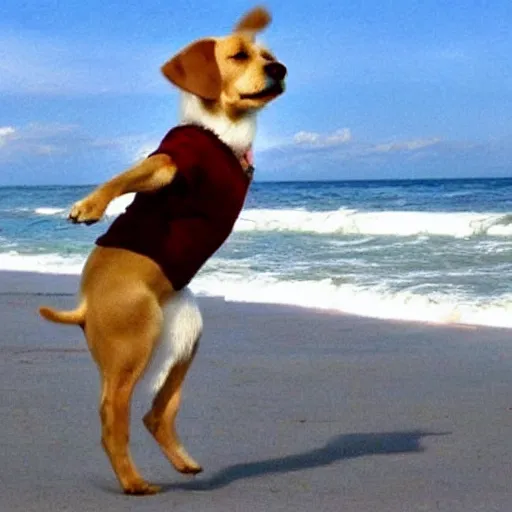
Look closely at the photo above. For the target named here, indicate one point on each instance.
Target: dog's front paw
(88, 210)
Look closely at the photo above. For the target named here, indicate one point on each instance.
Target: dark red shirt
(181, 225)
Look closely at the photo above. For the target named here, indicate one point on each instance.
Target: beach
(286, 408)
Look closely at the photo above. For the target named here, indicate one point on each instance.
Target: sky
(382, 89)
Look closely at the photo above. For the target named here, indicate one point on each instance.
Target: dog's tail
(74, 317)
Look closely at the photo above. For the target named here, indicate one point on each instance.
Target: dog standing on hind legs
(135, 309)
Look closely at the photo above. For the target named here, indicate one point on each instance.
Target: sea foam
(49, 211)
(41, 263)
(385, 223)
(369, 301)
(116, 207)
(374, 302)
(351, 222)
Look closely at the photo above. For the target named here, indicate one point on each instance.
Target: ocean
(433, 250)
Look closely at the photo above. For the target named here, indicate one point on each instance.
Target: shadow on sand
(341, 447)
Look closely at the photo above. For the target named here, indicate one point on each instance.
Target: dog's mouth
(268, 92)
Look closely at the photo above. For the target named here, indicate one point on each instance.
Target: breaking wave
(351, 222)
(370, 301)
(374, 302)
(385, 223)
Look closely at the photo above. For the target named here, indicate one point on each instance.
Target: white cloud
(6, 130)
(341, 146)
(339, 137)
(305, 137)
(37, 139)
(145, 149)
(133, 147)
(408, 145)
(6, 133)
(327, 156)
(54, 140)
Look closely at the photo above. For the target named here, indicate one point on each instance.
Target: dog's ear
(254, 21)
(195, 70)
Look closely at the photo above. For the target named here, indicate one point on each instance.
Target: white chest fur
(238, 135)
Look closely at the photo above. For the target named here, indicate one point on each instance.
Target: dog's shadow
(341, 447)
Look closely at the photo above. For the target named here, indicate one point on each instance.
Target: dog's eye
(240, 56)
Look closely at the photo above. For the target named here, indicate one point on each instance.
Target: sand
(287, 409)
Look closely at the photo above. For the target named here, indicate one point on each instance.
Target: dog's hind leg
(182, 330)
(115, 419)
(161, 420)
(123, 341)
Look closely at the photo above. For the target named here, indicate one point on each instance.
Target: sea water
(433, 250)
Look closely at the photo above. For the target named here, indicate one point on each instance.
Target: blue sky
(387, 89)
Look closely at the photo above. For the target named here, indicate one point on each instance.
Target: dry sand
(287, 410)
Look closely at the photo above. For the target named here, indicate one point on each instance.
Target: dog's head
(231, 73)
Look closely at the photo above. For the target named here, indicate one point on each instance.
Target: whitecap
(382, 223)
(49, 263)
(49, 211)
(378, 301)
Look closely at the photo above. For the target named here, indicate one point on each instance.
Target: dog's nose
(275, 70)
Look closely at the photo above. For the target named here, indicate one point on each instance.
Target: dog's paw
(142, 489)
(191, 470)
(184, 463)
(88, 210)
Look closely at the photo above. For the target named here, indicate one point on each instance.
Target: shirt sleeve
(184, 153)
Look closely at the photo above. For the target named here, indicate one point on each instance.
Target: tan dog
(130, 311)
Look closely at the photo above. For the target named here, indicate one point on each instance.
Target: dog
(134, 301)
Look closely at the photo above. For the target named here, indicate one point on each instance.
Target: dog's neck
(238, 135)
